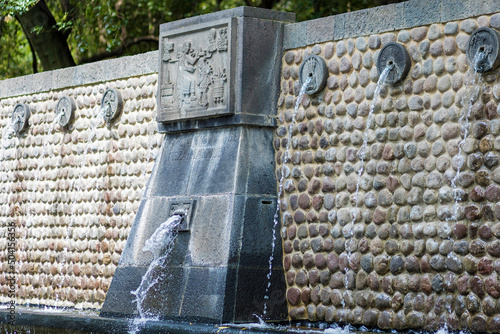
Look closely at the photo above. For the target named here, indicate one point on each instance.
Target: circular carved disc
(111, 104)
(64, 110)
(395, 55)
(20, 117)
(315, 68)
(482, 50)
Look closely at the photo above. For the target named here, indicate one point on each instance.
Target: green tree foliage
(100, 29)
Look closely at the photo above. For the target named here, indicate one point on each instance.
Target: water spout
(161, 237)
(160, 244)
(480, 58)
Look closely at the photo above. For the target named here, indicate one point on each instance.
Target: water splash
(8, 133)
(284, 160)
(480, 61)
(339, 330)
(160, 244)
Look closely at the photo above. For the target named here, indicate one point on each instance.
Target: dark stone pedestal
(222, 167)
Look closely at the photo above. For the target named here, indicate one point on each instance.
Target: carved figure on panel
(219, 80)
(167, 87)
(205, 81)
(222, 41)
(194, 73)
(188, 57)
(212, 42)
(187, 61)
(168, 47)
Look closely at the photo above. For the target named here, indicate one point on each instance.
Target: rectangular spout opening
(185, 208)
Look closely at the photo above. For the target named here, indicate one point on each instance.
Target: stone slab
(208, 162)
(197, 163)
(101, 71)
(404, 15)
(320, 30)
(453, 10)
(419, 13)
(482, 7)
(252, 63)
(259, 13)
(216, 272)
(294, 35)
(35, 322)
(211, 220)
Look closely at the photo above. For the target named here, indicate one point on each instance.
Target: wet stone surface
(79, 188)
(426, 234)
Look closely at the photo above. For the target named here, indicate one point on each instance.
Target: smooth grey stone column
(218, 160)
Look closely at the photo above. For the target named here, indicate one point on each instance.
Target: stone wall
(401, 257)
(73, 193)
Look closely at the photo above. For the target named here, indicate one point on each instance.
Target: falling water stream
(472, 95)
(349, 231)
(465, 124)
(285, 158)
(160, 244)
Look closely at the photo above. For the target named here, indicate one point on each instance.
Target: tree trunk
(49, 44)
(2, 20)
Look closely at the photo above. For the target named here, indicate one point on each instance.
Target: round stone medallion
(20, 117)
(482, 50)
(313, 68)
(65, 110)
(397, 58)
(111, 104)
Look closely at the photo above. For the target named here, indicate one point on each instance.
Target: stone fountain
(217, 91)
(388, 194)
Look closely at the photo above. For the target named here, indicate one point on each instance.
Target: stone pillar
(218, 86)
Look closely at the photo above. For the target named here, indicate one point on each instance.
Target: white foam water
(160, 244)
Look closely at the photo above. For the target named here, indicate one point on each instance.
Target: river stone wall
(404, 261)
(73, 193)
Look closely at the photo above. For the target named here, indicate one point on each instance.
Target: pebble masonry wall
(405, 262)
(73, 193)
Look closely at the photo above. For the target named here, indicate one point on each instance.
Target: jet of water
(349, 232)
(465, 124)
(160, 244)
(284, 160)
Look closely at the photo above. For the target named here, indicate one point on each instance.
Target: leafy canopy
(99, 29)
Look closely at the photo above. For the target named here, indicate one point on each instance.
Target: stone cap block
(244, 11)
(97, 72)
(208, 64)
(405, 15)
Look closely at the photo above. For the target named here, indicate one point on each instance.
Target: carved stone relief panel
(195, 72)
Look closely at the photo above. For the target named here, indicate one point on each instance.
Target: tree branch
(69, 10)
(33, 55)
(120, 50)
(34, 64)
(2, 20)
(49, 43)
